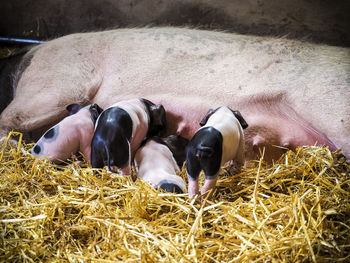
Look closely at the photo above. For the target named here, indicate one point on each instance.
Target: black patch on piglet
(204, 153)
(110, 143)
(170, 187)
(36, 149)
(49, 134)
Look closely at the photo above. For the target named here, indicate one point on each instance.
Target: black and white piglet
(121, 128)
(220, 140)
(74, 133)
(158, 161)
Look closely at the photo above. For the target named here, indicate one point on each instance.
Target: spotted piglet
(120, 129)
(219, 140)
(158, 160)
(74, 133)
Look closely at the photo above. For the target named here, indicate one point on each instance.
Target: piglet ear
(158, 118)
(73, 108)
(97, 108)
(95, 111)
(178, 147)
(240, 118)
(206, 117)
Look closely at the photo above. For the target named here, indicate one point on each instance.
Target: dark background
(324, 21)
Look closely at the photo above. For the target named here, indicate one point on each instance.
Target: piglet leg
(192, 187)
(208, 185)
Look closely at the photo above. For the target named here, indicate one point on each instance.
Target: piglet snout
(170, 187)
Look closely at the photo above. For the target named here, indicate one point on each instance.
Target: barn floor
(297, 210)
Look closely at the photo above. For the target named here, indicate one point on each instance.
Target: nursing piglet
(220, 140)
(121, 128)
(158, 160)
(74, 133)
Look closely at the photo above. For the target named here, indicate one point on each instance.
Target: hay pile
(297, 210)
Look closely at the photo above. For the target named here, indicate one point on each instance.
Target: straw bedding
(297, 210)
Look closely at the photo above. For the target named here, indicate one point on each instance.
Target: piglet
(158, 160)
(74, 133)
(120, 129)
(219, 140)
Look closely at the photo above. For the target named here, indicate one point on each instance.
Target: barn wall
(315, 20)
